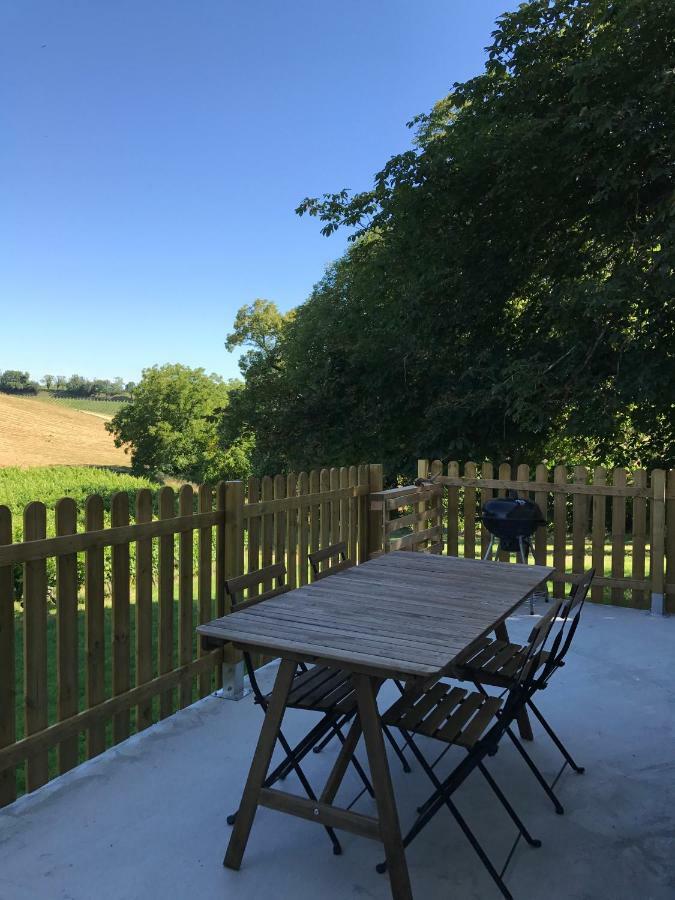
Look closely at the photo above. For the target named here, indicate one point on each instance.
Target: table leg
(260, 765)
(524, 724)
(390, 831)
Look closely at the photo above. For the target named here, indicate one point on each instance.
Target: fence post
(7, 661)
(670, 541)
(233, 565)
(657, 564)
(375, 537)
(422, 472)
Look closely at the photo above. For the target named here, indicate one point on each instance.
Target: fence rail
(92, 658)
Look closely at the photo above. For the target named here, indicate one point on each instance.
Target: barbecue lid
(512, 508)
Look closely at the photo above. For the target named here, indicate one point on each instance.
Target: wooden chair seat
(449, 714)
(322, 689)
(493, 662)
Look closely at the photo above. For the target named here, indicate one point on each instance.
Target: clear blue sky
(153, 153)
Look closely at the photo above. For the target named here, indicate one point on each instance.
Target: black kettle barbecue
(512, 521)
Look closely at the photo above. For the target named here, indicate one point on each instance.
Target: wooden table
(403, 615)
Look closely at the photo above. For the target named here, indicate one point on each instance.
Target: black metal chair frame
(550, 663)
(503, 714)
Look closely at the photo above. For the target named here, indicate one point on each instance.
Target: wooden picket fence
(622, 523)
(141, 659)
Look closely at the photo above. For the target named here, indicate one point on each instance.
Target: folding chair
(335, 551)
(317, 689)
(475, 722)
(495, 663)
(339, 552)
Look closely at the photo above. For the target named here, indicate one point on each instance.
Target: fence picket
(185, 592)
(120, 590)
(292, 533)
(280, 521)
(95, 624)
(267, 493)
(334, 507)
(35, 644)
(205, 578)
(453, 512)
(314, 524)
(486, 471)
(599, 528)
(324, 486)
(504, 474)
(436, 468)
(559, 529)
(166, 504)
(7, 662)
(143, 608)
(343, 534)
(363, 513)
(618, 535)
(579, 522)
(470, 513)
(303, 528)
(670, 543)
(353, 515)
(253, 496)
(67, 657)
(657, 545)
(541, 534)
(639, 534)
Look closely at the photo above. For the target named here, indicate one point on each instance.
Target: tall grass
(19, 487)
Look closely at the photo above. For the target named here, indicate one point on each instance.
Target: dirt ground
(37, 433)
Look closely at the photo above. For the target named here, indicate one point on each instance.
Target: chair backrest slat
(235, 586)
(251, 579)
(335, 551)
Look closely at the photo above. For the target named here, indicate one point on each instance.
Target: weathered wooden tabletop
(403, 614)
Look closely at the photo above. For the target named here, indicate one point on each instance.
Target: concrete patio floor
(147, 818)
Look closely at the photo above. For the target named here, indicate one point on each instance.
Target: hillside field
(44, 433)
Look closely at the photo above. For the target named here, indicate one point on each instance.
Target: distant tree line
(14, 381)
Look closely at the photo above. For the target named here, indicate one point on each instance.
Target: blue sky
(153, 153)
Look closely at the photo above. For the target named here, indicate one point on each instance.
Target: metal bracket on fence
(658, 607)
(233, 682)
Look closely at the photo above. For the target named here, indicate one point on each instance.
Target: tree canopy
(508, 292)
(170, 426)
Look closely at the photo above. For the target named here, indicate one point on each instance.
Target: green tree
(48, 381)
(169, 426)
(509, 289)
(14, 381)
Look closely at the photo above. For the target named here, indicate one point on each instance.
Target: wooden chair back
(334, 552)
(234, 587)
